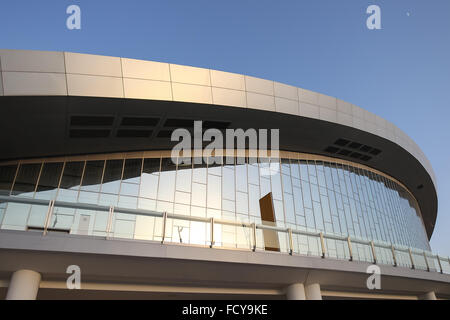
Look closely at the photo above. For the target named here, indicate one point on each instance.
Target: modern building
(87, 180)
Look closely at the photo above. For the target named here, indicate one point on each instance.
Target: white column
(295, 291)
(24, 285)
(313, 292)
(428, 296)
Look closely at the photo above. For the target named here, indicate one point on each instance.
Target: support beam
(24, 285)
(296, 291)
(313, 292)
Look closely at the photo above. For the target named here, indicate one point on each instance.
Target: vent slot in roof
(365, 148)
(89, 133)
(89, 121)
(180, 123)
(139, 122)
(366, 158)
(355, 145)
(344, 152)
(164, 134)
(356, 155)
(332, 149)
(124, 133)
(341, 142)
(364, 153)
(215, 125)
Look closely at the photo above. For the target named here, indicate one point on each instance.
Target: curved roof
(40, 74)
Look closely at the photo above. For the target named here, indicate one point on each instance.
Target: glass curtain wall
(312, 195)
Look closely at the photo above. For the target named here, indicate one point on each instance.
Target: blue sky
(401, 72)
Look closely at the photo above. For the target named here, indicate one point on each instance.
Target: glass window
(112, 176)
(298, 201)
(295, 171)
(315, 192)
(312, 172)
(105, 199)
(182, 197)
(150, 178)
(289, 208)
(129, 189)
(151, 165)
(241, 178)
(127, 202)
(265, 187)
(166, 190)
(198, 194)
(253, 175)
(318, 215)
(89, 197)
(93, 175)
(276, 186)
(253, 192)
(321, 178)
(199, 173)
(310, 223)
(228, 205)
(71, 178)
(313, 195)
(287, 185)
(304, 170)
(306, 194)
(214, 191)
(325, 209)
(27, 177)
(132, 171)
(228, 188)
(184, 175)
(241, 202)
(285, 167)
(279, 212)
(49, 181)
(7, 174)
(46, 189)
(215, 169)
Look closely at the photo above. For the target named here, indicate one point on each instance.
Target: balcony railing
(372, 251)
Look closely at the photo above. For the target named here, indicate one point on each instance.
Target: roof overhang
(39, 126)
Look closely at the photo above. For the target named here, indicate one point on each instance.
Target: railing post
(393, 255)
(291, 241)
(322, 243)
(439, 263)
(374, 255)
(109, 225)
(164, 227)
(254, 236)
(426, 261)
(48, 217)
(212, 232)
(412, 260)
(350, 250)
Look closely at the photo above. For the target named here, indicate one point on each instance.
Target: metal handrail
(290, 232)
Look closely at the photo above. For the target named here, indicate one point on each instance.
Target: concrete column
(295, 291)
(24, 285)
(428, 296)
(313, 292)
